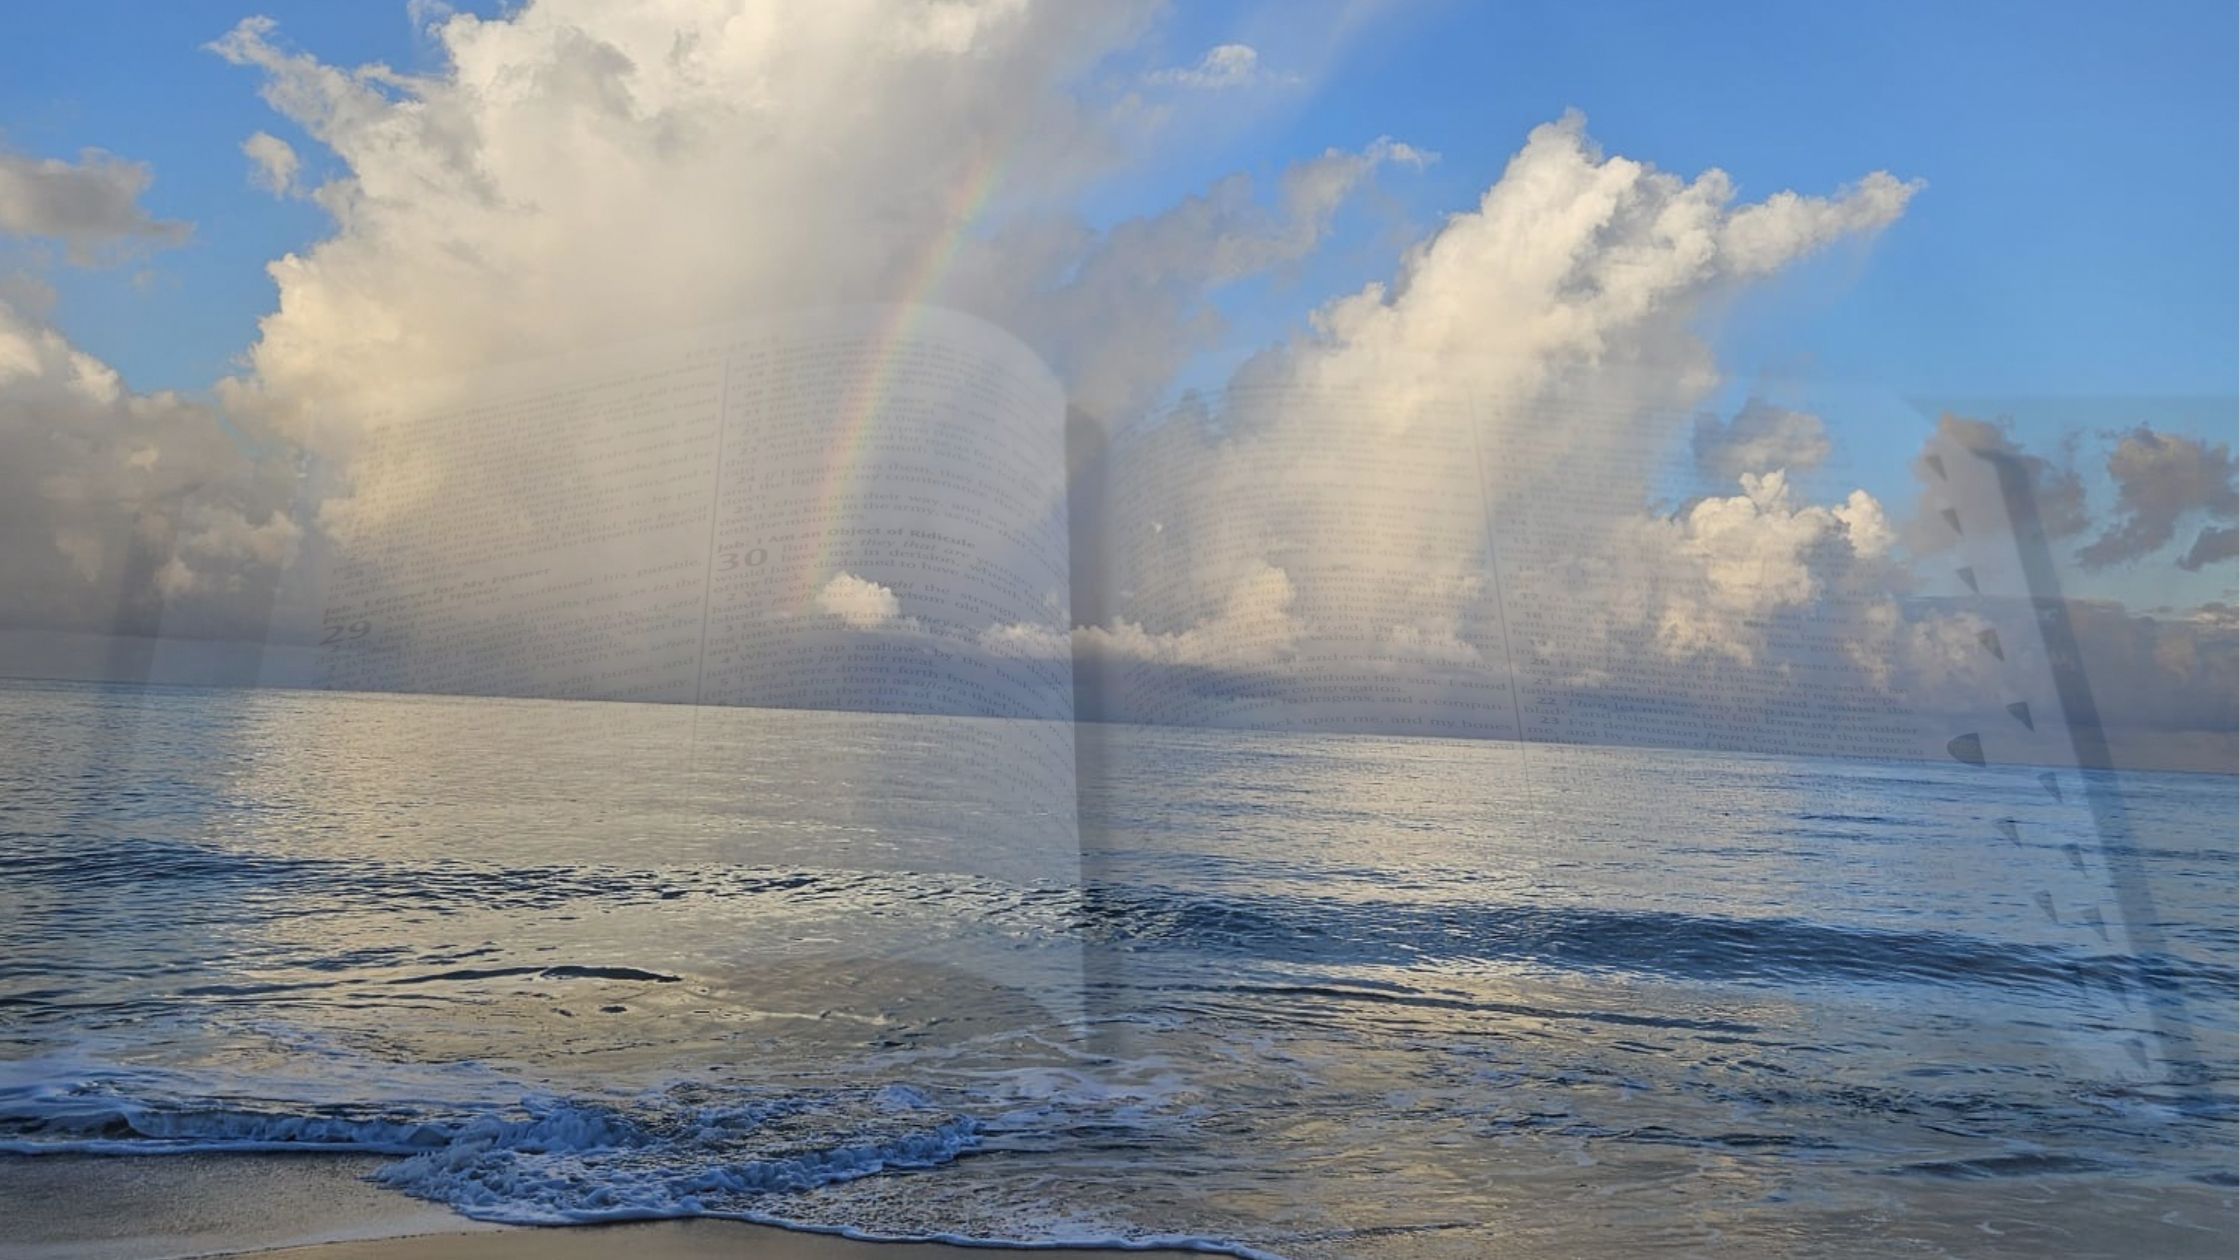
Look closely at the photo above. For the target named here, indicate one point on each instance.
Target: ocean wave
(751, 1141)
(1270, 925)
(1575, 938)
(684, 1150)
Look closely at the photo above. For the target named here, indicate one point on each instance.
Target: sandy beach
(319, 1207)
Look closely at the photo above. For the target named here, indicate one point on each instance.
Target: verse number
(734, 559)
(347, 633)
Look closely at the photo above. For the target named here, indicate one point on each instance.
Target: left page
(827, 556)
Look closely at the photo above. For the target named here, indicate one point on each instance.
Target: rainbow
(845, 458)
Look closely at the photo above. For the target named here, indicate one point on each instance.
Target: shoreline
(687, 1239)
(316, 1205)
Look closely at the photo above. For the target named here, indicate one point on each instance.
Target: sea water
(1291, 995)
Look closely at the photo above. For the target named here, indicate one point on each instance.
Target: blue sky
(2075, 241)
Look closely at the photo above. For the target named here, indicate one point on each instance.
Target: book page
(1302, 562)
(857, 513)
(2071, 822)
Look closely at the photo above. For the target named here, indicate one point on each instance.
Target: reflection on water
(1314, 996)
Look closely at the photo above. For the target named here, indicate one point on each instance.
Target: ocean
(1259, 994)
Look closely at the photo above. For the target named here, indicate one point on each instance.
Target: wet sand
(319, 1207)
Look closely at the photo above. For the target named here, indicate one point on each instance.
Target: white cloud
(92, 206)
(580, 172)
(272, 163)
(1026, 641)
(1574, 261)
(1575, 289)
(862, 604)
(1719, 571)
(1255, 628)
(1223, 66)
(111, 499)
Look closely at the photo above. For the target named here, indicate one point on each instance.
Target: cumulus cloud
(1223, 66)
(1448, 477)
(1719, 569)
(1253, 628)
(578, 173)
(272, 163)
(113, 500)
(1574, 263)
(92, 205)
(2161, 480)
(575, 174)
(1554, 327)
(862, 604)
